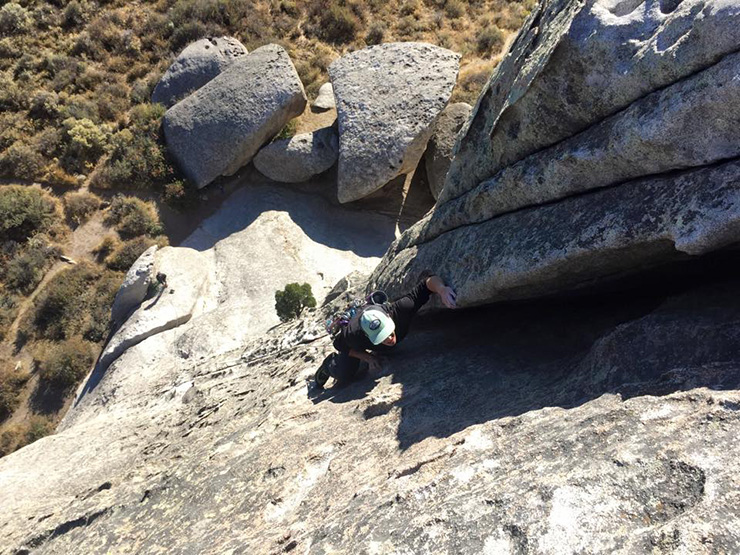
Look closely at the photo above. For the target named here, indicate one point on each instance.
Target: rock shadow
(466, 367)
(337, 227)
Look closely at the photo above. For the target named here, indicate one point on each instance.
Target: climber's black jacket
(401, 311)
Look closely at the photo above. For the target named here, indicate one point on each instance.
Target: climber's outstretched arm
(446, 294)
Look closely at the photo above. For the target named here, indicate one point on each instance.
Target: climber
(379, 328)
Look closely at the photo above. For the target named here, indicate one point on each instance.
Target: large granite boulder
(573, 64)
(590, 154)
(197, 64)
(578, 241)
(300, 157)
(438, 156)
(221, 126)
(388, 99)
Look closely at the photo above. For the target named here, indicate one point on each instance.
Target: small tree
(290, 301)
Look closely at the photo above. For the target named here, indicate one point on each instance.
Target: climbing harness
(335, 323)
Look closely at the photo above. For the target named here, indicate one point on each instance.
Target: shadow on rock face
(367, 235)
(464, 368)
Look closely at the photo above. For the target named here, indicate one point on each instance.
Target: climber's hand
(448, 297)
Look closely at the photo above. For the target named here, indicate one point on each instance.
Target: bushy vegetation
(23, 272)
(76, 76)
(80, 205)
(21, 434)
(292, 300)
(11, 385)
(64, 364)
(132, 217)
(76, 302)
(25, 211)
(126, 253)
(8, 311)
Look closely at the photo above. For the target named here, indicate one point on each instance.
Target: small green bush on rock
(292, 300)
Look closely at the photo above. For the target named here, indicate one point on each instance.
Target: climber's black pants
(346, 367)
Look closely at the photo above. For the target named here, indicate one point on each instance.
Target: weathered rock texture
(325, 98)
(388, 98)
(574, 64)
(187, 282)
(300, 157)
(590, 154)
(601, 428)
(221, 126)
(438, 156)
(197, 64)
(134, 287)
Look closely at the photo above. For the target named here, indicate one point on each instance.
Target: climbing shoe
(322, 374)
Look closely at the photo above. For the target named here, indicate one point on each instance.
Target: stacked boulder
(195, 66)
(221, 126)
(388, 99)
(299, 158)
(438, 157)
(606, 142)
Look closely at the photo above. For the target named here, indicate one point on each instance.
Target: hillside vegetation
(76, 76)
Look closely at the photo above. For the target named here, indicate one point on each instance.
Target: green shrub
(8, 311)
(180, 195)
(106, 246)
(14, 19)
(76, 13)
(38, 427)
(488, 40)
(291, 301)
(80, 205)
(71, 303)
(44, 106)
(126, 254)
(288, 130)
(11, 440)
(26, 270)
(454, 9)
(338, 24)
(376, 33)
(25, 211)
(11, 386)
(22, 161)
(85, 143)
(137, 159)
(65, 363)
(132, 217)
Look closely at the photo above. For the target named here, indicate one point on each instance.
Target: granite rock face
(576, 417)
(574, 64)
(388, 99)
(221, 126)
(438, 156)
(197, 64)
(134, 287)
(300, 157)
(606, 142)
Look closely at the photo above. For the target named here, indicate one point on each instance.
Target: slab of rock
(197, 64)
(439, 150)
(134, 287)
(579, 240)
(574, 64)
(325, 99)
(187, 273)
(388, 99)
(221, 126)
(691, 123)
(300, 157)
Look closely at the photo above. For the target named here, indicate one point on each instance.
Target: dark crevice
(62, 529)
(662, 175)
(613, 113)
